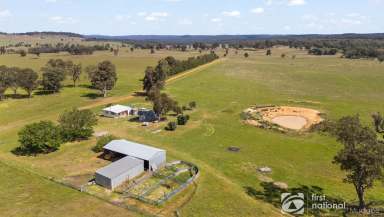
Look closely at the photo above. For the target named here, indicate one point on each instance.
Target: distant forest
(353, 46)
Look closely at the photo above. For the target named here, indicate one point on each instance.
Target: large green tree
(28, 80)
(77, 124)
(42, 137)
(103, 76)
(362, 156)
(52, 79)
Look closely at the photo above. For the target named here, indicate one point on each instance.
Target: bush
(171, 126)
(102, 141)
(77, 124)
(36, 138)
(192, 105)
(182, 119)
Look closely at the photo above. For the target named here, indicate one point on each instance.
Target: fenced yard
(154, 189)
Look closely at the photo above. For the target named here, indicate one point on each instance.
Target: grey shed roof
(133, 149)
(119, 167)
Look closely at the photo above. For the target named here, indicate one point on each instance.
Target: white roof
(119, 167)
(132, 149)
(117, 109)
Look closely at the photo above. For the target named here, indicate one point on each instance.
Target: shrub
(246, 55)
(182, 119)
(171, 126)
(102, 141)
(192, 105)
(41, 137)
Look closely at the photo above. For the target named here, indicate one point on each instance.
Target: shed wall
(103, 181)
(129, 174)
(159, 160)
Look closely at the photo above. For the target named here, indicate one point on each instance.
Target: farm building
(138, 158)
(118, 172)
(117, 111)
(147, 116)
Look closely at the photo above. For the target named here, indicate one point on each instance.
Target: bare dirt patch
(282, 117)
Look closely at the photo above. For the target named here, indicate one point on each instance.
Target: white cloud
(63, 20)
(51, 1)
(257, 10)
(185, 22)
(287, 28)
(296, 2)
(216, 20)
(121, 17)
(231, 13)
(269, 2)
(5, 13)
(156, 16)
(141, 14)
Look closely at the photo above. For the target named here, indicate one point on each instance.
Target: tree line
(155, 76)
(102, 76)
(73, 49)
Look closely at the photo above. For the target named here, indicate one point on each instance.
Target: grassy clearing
(25, 194)
(332, 85)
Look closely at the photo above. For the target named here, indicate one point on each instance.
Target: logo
(292, 203)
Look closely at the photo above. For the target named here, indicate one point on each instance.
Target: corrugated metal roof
(118, 108)
(133, 149)
(119, 167)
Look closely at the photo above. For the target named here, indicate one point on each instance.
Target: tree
(36, 138)
(23, 53)
(378, 122)
(52, 78)
(13, 77)
(362, 156)
(269, 52)
(28, 80)
(77, 124)
(246, 55)
(381, 58)
(75, 72)
(163, 104)
(102, 141)
(182, 119)
(171, 126)
(103, 77)
(4, 81)
(192, 105)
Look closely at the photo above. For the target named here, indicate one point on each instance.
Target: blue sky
(127, 17)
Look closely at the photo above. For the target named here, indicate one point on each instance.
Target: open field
(222, 91)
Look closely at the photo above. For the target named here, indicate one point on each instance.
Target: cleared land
(333, 85)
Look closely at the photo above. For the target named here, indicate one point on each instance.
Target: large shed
(118, 172)
(154, 158)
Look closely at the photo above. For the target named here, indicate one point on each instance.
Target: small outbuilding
(117, 111)
(118, 172)
(147, 116)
